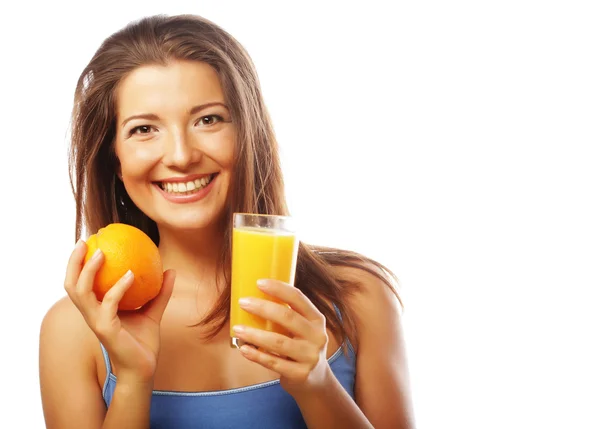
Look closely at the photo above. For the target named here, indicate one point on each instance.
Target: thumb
(156, 307)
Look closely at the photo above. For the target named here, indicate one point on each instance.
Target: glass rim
(264, 221)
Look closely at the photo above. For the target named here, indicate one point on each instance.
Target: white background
(456, 142)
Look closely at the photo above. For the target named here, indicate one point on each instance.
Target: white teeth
(185, 187)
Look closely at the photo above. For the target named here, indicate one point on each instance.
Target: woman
(174, 99)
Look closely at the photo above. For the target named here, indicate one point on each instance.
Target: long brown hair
(257, 183)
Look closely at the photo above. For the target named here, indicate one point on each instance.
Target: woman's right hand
(132, 338)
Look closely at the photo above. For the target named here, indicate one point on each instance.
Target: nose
(180, 151)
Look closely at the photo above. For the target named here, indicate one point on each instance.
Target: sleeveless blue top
(259, 406)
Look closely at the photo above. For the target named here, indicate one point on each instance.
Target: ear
(118, 172)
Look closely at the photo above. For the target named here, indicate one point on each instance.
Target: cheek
(137, 161)
(224, 149)
(218, 146)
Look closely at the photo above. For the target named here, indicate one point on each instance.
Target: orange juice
(259, 253)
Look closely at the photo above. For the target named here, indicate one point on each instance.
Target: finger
(281, 314)
(84, 289)
(110, 302)
(296, 349)
(107, 323)
(74, 266)
(156, 307)
(290, 295)
(286, 368)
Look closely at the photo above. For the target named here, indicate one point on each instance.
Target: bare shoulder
(65, 334)
(64, 323)
(68, 369)
(373, 297)
(382, 387)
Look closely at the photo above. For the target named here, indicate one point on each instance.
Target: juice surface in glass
(259, 253)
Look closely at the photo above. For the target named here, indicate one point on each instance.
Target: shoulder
(375, 290)
(365, 290)
(382, 387)
(63, 315)
(64, 332)
(68, 369)
(370, 290)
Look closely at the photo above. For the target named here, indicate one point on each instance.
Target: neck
(194, 255)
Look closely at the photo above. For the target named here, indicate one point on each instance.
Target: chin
(192, 222)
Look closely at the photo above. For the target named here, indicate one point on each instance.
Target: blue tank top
(259, 406)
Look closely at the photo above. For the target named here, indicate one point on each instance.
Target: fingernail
(79, 243)
(245, 302)
(262, 283)
(128, 275)
(245, 349)
(97, 254)
(239, 329)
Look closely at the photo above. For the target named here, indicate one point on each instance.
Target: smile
(186, 188)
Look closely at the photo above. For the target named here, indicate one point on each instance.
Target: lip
(189, 178)
(184, 199)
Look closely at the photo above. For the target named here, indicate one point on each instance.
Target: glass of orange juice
(263, 247)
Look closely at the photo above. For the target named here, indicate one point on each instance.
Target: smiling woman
(163, 153)
(171, 135)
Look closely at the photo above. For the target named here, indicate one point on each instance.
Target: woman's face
(175, 143)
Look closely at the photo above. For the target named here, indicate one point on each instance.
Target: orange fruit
(126, 248)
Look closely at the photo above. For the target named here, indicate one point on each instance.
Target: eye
(145, 129)
(210, 120)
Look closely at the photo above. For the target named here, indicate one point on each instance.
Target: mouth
(186, 188)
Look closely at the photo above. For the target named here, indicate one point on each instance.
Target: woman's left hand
(301, 358)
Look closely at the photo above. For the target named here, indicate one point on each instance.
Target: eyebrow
(193, 110)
